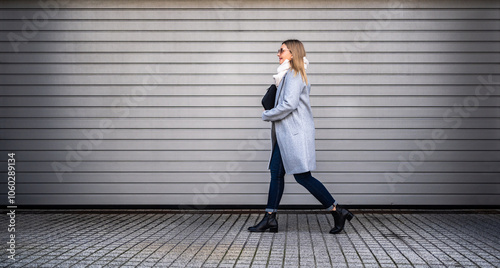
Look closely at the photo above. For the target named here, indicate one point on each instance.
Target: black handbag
(269, 97)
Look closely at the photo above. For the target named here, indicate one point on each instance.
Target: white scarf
(283, 68)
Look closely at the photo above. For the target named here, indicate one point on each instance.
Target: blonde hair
(297, 63)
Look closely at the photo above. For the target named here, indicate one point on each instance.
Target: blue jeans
(277, 185)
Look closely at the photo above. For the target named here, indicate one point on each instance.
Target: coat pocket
(294, 127)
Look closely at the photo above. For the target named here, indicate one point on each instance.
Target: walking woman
(292, 135)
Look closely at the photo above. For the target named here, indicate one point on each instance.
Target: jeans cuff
(272, 210)
(332, 206)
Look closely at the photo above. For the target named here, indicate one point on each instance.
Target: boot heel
(349, 216)
(273, 229)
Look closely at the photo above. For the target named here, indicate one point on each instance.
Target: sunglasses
(281, 50)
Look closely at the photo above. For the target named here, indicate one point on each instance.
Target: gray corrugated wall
(153, 102)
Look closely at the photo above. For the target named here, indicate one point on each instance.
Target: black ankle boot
(268, 222)
(340, 215)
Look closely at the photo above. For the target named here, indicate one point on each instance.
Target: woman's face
(284, 54)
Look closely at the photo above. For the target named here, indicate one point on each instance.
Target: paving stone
(167, 238)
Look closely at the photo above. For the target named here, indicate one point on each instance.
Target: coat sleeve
(291, 95)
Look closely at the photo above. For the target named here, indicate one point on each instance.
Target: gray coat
(293, 124)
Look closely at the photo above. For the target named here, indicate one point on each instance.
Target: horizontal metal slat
(306, 36)
(254, 188)
(327, 24)
(469, 102)
(485, 85)
(213, 145)
(236, 69)
(183, 201)
(216, 13)
(215, 46)
(262, 176)
(243, 134)
(241, 112)
(167, 166)
(248, 155)
(349, 55)
(106, 125)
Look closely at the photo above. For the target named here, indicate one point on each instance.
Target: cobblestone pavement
(218, 238)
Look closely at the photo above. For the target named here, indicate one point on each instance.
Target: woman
(292, 136)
